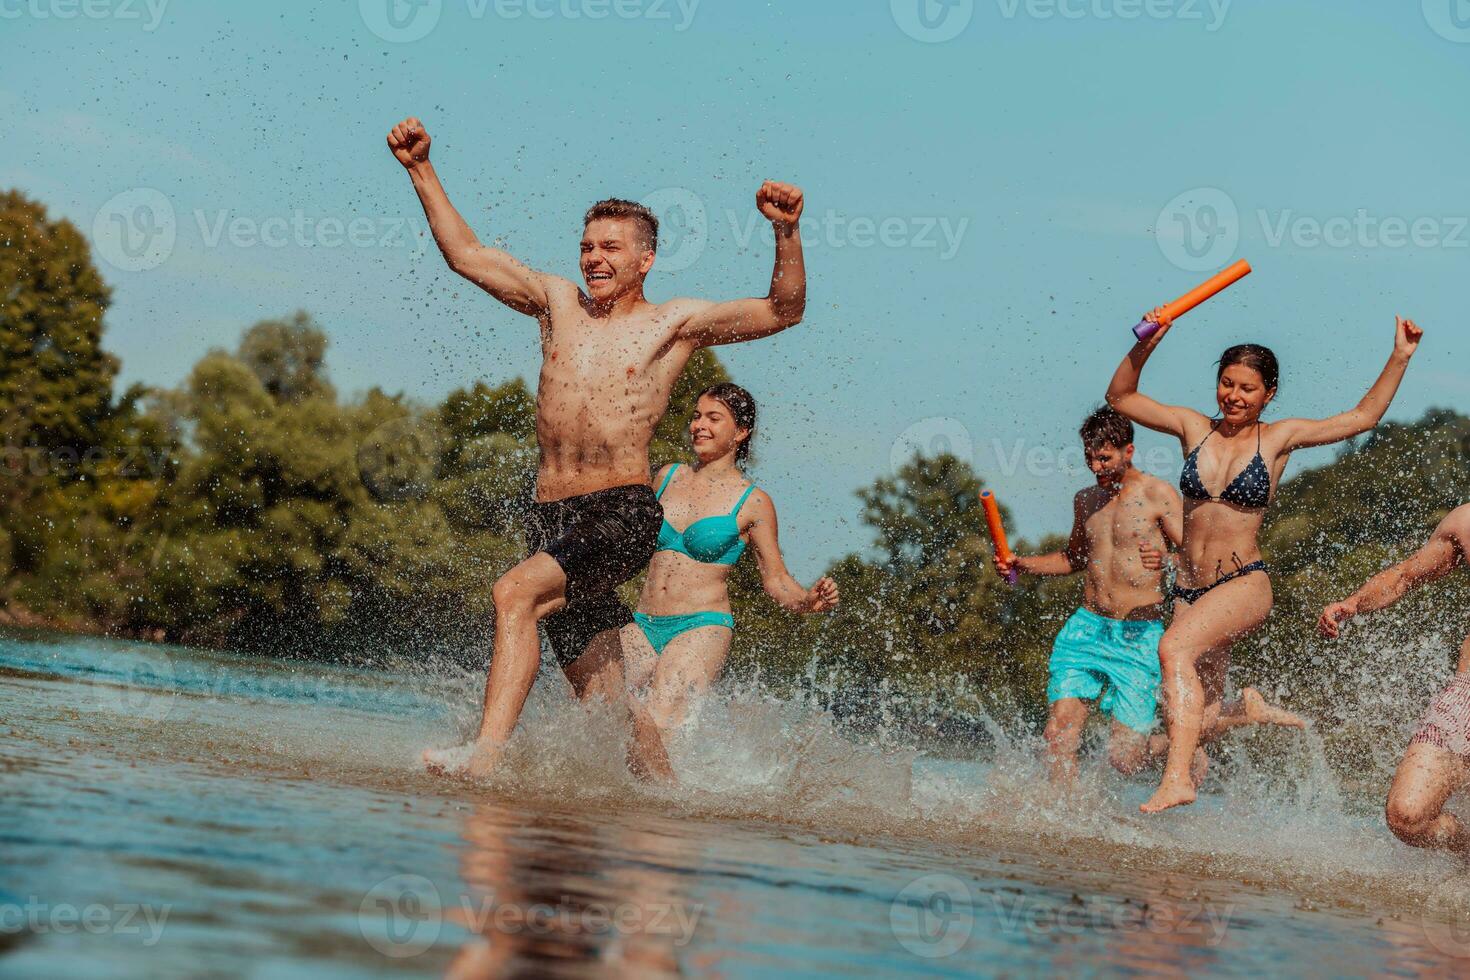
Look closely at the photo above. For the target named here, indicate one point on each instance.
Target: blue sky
(987, 214)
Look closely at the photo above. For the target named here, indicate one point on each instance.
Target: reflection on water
(169, 812)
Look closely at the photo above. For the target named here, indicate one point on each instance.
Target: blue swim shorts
(1113, 659)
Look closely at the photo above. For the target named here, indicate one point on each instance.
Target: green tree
(55, 378)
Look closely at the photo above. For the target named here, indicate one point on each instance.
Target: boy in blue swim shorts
(1108, 651)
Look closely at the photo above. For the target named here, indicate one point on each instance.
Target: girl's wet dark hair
(742, 408)
(1254, 356)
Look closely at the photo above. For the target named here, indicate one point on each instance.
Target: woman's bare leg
(689, 665)
(1193, 660)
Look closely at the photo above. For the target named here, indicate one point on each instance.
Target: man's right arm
(1444, 552)
(516, 285)
(1072, 559)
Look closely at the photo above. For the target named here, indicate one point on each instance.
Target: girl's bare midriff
(678, 584)
(1219, 538)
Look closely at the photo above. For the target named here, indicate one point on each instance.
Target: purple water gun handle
(1012, 577)
(1145, 329)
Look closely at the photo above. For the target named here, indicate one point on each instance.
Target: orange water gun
(1169, 311)
(998, 532)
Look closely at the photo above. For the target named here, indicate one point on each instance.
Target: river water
(172, 812)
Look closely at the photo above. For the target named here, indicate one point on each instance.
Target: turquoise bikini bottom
(660, 630)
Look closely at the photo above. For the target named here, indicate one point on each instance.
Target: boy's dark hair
(1106, 427)
(616, 207)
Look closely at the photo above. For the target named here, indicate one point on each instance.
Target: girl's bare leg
(689, 665)
(1193, 658)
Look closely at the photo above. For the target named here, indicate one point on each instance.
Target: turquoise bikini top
(710, 540)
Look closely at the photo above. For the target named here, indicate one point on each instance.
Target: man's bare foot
(1199, 767)
(1259, 712)
(1169, 794)
(473, 759)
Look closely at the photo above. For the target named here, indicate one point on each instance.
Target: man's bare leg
(1423, 782)
(600, 672)
(523, 596)
(1063, 737)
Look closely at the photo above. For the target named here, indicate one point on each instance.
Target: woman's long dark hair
(742, 408)
(1254, 356)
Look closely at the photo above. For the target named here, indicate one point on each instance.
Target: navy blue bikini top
(1251, 487)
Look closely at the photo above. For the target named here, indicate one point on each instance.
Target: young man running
(610, 358)
(1435, 764)
(1109, 650)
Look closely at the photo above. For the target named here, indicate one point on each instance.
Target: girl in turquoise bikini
(682, 629)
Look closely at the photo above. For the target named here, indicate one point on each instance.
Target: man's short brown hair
(1106, 427)
(616, 207)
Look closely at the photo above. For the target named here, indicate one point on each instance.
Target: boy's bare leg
(523, 596)
(1063, 737)
(1423, 782)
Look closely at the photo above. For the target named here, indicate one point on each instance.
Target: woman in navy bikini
(681, 633)
(1224, 590)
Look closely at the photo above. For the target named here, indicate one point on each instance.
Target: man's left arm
(710, 324)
